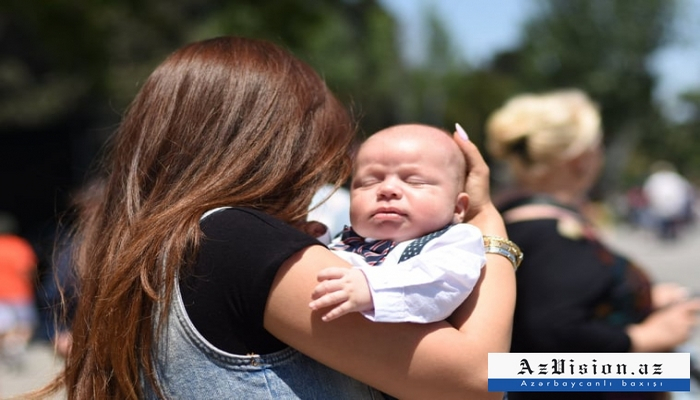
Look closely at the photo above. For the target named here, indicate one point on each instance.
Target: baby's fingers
(327, 298)
(326, 287)
(344, 308)
(331, 273)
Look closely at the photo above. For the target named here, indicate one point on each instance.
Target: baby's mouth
(388, 213)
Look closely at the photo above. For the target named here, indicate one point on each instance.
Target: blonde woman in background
(573, 293)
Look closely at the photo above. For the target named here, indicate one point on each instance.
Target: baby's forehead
(413, 133)
(424, 137)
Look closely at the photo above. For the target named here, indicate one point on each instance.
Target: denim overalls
(189, 367)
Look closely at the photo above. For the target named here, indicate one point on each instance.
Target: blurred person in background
(670, 200)
(18, 314)
(57, 294)
(574, 294)
(56, 298)
(634, 208)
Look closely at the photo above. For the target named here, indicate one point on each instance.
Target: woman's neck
(561, 184)
(568, 198)
(564, 195)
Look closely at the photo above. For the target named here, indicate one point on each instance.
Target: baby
(406, 207)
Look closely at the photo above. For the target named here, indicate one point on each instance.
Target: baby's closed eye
(416, 181)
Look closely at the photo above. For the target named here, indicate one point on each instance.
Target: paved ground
(675, 262)
(36, 369)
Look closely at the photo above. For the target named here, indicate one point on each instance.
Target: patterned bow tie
(417, 245)
(374, 251)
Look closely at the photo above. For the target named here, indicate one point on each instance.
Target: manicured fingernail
(462, 133)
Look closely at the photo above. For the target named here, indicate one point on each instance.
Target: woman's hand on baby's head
(478, 173)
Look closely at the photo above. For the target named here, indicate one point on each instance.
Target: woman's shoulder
(227, 218)
(243, 214)
(253, 229)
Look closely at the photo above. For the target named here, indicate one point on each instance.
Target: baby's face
(405, 186)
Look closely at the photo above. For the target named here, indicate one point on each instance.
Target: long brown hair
(225, 121)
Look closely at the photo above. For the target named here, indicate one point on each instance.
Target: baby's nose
(389, 189)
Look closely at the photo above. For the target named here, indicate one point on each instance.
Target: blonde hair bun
(540, 128)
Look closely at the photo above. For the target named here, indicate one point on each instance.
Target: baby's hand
(345, 287)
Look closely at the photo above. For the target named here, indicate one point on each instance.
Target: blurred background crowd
(68, 69)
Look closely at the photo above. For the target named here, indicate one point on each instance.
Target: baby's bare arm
(345, 288)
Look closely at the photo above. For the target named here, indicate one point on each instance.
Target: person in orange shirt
(18, 313)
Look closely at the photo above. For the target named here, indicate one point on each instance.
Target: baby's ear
(461, 207)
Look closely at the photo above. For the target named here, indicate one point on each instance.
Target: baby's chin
(395, 234)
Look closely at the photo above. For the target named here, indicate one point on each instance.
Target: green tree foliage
(604, 48)
(351, 43)
(70, 68)
(426, 96)
(443, 88)
(64, 57)
(682, 145)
